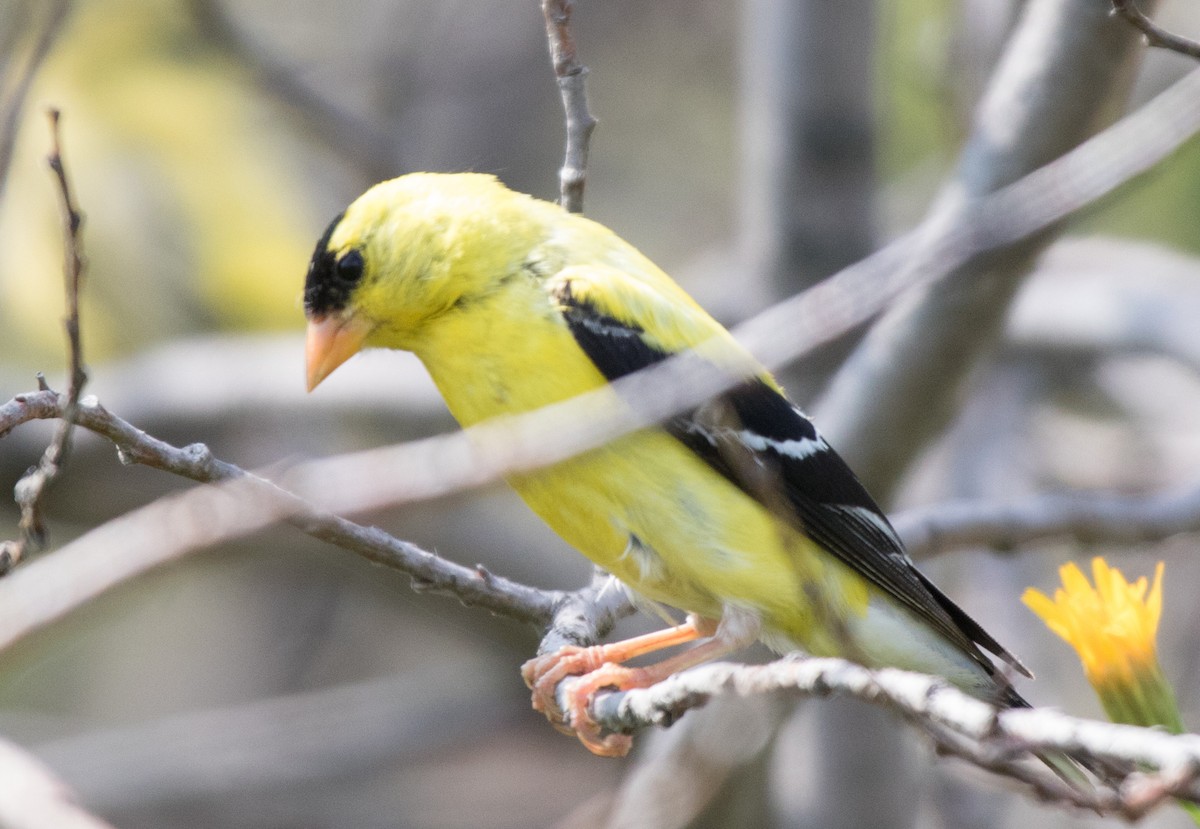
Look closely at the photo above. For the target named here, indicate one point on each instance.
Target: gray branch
(1004, 743)
(471, 585)
(1085, 517)
(572, 85)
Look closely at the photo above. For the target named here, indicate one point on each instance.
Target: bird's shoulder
(623, 310)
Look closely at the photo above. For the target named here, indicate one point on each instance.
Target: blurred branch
(1003, 742)
(948, 238)
(18, 72)
(1061, 71)
(343, 132)
(32, 797)
(807, 121)
(686, 770)
(1141, 297)
(301, 739)
(32, 487)
(1085, 517)
(1155, 34)
(572, 85)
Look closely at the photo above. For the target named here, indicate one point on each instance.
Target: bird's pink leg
(599, 667)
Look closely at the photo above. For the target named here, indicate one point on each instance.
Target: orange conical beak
(332, 340)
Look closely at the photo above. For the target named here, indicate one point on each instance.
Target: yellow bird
(737, 512)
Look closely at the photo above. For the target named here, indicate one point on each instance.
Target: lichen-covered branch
(1142, 767)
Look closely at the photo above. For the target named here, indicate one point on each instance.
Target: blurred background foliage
(210, 141)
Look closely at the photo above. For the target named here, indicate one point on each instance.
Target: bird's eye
(350, 267)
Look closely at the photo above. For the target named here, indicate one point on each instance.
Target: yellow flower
(1113, 628)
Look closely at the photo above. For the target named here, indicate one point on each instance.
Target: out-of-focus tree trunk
(1061, 78)
(808, 210)
(807, 126)
(807, 139)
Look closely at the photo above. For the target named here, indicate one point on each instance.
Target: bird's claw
(544, 673)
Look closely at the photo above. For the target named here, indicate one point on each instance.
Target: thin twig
(1156, 35)
(31, 489)
(72, 258)
(572, 85)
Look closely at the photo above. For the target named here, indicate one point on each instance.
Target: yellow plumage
(513, 304)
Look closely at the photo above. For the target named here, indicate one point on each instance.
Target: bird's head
(405, 253)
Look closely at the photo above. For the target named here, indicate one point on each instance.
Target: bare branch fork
(31, 489)
(1156, 35)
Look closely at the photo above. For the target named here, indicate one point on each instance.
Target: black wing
(754, 437)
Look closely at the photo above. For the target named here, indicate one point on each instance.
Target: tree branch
(1086, 517)
(997, 741)
(947, 239)
(1155, 35)
(473, 586)
(302, 739)
(356, 139)
(572, 86)
(31, 489)
(32, 797)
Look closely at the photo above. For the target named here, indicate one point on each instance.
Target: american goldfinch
(737, 512)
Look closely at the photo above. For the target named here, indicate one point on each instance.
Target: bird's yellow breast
(644, 507)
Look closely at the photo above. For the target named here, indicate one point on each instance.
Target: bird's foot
(543, 675)
(600, 667)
